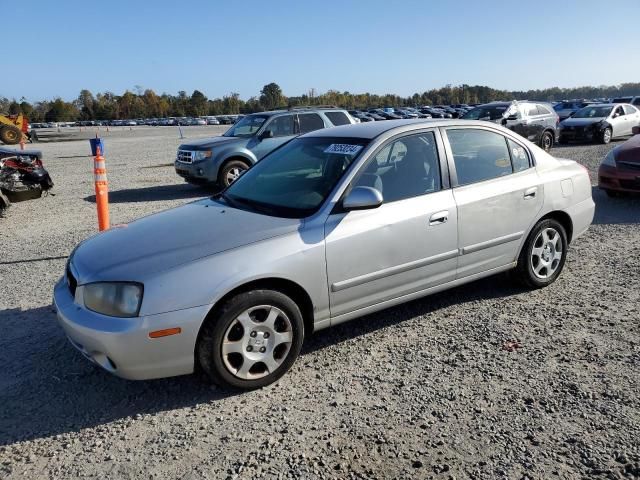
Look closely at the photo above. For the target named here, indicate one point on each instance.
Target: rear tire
(543, 254)
(252, 340)
(10, 135)
(231, 171)
(546, 141)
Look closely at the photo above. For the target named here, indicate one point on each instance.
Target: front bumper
(580, 134)
(198, 172)
(122, 345)
(616, 179)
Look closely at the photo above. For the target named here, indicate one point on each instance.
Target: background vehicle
(223, 159)
(22, 175)
(13, 129)
(619, 172)
(632, 100)
(567, 108)
(537, 122)
(600, 122)
(309, 238)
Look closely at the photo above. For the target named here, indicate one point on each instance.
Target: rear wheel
(546, 141)
(606, 135)
(543, 255)
(231, 171)
(10, 135)
(252, 340)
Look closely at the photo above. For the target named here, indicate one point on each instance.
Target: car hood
(581, 122)
(171, 238)
(206, 143)
(629, 151)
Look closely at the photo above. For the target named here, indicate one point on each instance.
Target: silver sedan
(331, 226)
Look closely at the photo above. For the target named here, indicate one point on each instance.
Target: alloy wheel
(546, 253)
(257, 342)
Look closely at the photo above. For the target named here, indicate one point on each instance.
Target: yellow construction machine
(14, 129)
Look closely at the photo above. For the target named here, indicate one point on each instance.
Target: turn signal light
(165, 333)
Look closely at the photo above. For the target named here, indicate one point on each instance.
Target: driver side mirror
(266, 134)
(362, 198)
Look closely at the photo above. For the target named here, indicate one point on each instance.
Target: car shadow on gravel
(615, 210)
(52, 389)
(156, 194)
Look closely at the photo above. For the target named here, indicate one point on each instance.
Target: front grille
(71, 282)
(630, 184)
(629, 165)
(184, 156)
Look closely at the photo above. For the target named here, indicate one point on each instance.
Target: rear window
(338, 118)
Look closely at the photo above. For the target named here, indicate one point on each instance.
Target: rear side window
(281, 126)
(519, 156)
(310, 122)
(531, 109)
(629, 110)
(338, 118)
(479, 155)
(542, 110)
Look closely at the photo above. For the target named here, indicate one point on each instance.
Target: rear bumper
(122, 345)
(612, 178)
(581, 216)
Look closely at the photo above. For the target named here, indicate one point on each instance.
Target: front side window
(281, 126)
(246, 127)
(310, 122)
(405, 168)
(295, 180)
(337, 118)
(618, 112)
(479, 155)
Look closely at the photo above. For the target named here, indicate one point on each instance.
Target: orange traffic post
(102, 189)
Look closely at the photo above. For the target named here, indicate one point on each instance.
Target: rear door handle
(530, 193)
(439, 218)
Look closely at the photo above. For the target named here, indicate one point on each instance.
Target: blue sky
(380, 46)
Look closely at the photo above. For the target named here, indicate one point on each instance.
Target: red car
(620, 169)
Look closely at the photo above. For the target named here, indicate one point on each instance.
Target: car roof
(371, 130)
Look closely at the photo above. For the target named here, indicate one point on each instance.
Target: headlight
(610, 159)
(118, 299)
(201, 155)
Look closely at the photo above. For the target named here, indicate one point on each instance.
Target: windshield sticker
(343, 148)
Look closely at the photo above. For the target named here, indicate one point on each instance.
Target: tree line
(145, 103)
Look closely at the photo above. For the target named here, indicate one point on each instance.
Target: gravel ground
(429, 389)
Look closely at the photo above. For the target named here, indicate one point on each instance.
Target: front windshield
(246, 127)
(295, 180)
(493, 112)
(592, 112)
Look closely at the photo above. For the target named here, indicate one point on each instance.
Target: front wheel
(543, 255)
(252, 340)
(606, 135)
(231, 171)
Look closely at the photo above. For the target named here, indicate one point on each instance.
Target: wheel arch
(287, 287)
(564, 219)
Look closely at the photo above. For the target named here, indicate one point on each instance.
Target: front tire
(543, 255)
(606, 136)
(252, 340)
(231, 171)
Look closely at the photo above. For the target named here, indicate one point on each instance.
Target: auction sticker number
(343, 148)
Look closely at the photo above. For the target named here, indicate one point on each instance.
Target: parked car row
(163, 122)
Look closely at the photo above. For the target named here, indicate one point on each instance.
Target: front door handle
(439, 218)
(530, 193)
